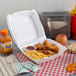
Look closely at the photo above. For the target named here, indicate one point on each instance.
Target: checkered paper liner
(56, 67)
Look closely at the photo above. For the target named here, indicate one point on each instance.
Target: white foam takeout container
(26, 29)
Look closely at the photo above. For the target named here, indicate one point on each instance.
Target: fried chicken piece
(40, 46)
(47, 44)
(47, 52)
(71, 67)
(50, 53)
(55, 48)
(50, 46)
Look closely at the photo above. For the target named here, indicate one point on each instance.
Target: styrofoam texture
(25, 27)
(61, 51)
(22, 33)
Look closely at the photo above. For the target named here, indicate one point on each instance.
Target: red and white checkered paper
(56, 67)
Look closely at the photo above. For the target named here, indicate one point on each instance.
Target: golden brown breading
(47, 45)
(55, 48)
(50, 46)
(71, 67)
(50, 53)
(40, 46)
(47, 52)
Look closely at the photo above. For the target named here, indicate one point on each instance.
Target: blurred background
(10, 6)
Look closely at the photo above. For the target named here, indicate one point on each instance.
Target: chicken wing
(40, 46)
(50, 46)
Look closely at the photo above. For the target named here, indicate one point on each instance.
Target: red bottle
(74, 27)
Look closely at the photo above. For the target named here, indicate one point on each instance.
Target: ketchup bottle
(74, 27)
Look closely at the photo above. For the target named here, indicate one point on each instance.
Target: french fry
(35, 55)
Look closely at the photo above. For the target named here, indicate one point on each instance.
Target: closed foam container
(27, 30)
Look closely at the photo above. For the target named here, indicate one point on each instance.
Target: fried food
(55, 48)
(71, 48)
(43, 50)
(40, 46)
(50, 53)
(47, 52)
(35, 55)
(47, 44)
(50, 46)
(71, 67)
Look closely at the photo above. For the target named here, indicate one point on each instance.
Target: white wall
(10, 6)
